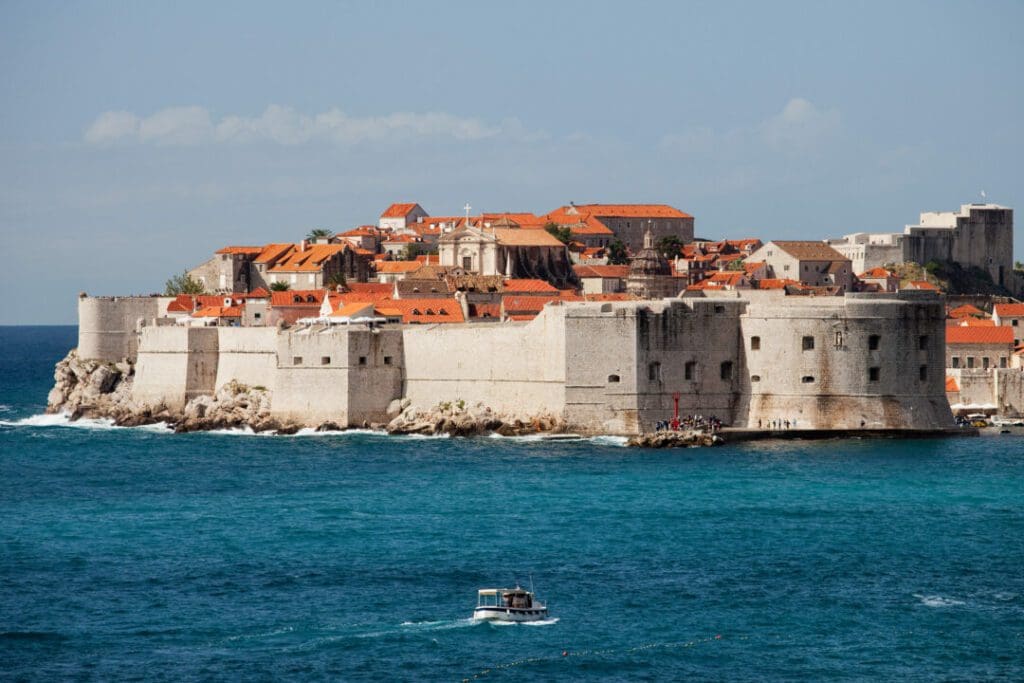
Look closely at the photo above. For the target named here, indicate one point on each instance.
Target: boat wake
(938, 601)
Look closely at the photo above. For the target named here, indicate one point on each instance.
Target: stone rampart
(108, 326)
(510, 367)
(175, 364)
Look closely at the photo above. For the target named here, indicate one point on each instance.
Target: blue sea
(138, 554)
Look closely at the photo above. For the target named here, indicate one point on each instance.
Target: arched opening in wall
(755, 378)
(612, 379)
(755, 343)
(725, 370)
(807, 379)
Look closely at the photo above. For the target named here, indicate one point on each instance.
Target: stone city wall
(107, 325)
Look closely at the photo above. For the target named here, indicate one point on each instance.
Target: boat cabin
(504, 597)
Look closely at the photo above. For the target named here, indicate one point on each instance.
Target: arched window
(613, 378)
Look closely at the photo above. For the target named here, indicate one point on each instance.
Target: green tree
(411, 251)
(183, 284)
(617, 253)
(279, 286)
(669, 246)
(735, 265)
(562, 234)
(337, 280)
(318, 233)
(1017, 265)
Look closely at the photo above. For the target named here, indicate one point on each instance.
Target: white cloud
(285, 126)
(111, 126)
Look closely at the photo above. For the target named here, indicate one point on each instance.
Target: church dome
(648, 261)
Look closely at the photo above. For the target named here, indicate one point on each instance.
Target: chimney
(304, 245)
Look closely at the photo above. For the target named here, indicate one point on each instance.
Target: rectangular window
(362, 360)
(1014, 323)
(387, 360)
(785, 267)
(922, 373)
(984, 363)
(873, 341)
(1002, 361)
(296, 360)
(922, 342)
(755, 343)
(808, 343)
(873, 374)
(257, 316)
(955, 362)
(726, 370)
(839, 339)
(690, 370)
(970, 361)
(654, 371)
(325, 360)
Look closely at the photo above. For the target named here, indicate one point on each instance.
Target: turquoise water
(137, 554)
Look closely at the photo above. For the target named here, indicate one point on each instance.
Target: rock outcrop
(460, 419)
(95, 389)
(669, 439)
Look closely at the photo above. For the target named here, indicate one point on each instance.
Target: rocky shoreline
(94, 389)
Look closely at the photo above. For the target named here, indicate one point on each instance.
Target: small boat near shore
(508, 604)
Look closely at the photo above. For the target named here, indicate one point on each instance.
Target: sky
(138, 138)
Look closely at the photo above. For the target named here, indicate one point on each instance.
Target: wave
(561, 438)
(60, 420)
(938, 601)
(543, 622)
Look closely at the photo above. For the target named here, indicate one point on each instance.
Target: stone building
(1010, 315)
(603, 223)
(811, 263)
(867, 251)
(401, 215)
(650, 274)
(973, 347)
(511, 252)
(978, 235)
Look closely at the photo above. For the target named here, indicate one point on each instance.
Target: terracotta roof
(601, 271)
(1009, 310)
(951, 385)
(967, 310)
(219, 312)
(361, 231)
(610, 296)
(776, 283)
(522, 285)
(239, 250)
(979, 335)
(368, 288)
(310, 260)
(632, 210)
(298, 297)
(970, 322)
(398, 266)
(876, 273)
(525, 304)
(809, 250)
(752, 266)
(428, 310)
(524, 219)
(259, 293)
(354, 309)
(272, 252)
(922, 284)
(524, 238)
(400, 210)
(484, 310)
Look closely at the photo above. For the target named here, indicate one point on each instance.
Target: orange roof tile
(428, 310)
(970, 322)
(485, 310)
(273, 252)
(809, 250)
(219, 312)
(524, 238)
(979, 335)
(923, 284)
(393, 267)
(298, 297)
(525, 304)
(966, 310)
(601, 271)
(1009, 310)
(876, 273)
(525, 285)
(632, 210)
(310, 260)
(776, 283)
(239, 250)
(951, 385)
(399, 210)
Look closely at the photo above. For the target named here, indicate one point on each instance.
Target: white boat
(508, 604)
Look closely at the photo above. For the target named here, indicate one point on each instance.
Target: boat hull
(510, 613)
